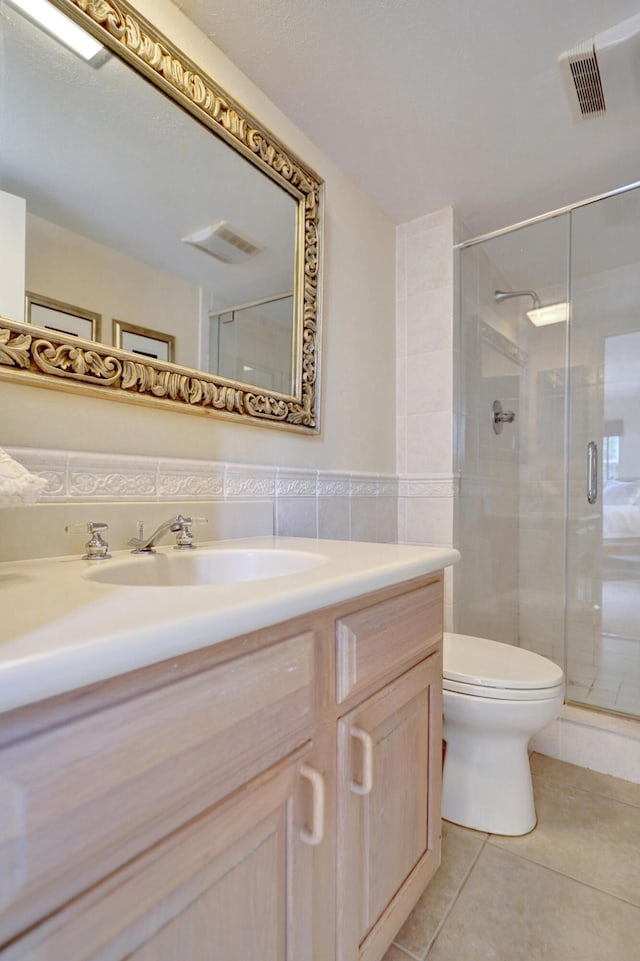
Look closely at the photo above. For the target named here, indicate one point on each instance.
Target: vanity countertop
(60, 630)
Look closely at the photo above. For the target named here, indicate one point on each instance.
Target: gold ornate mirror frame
(39, 357)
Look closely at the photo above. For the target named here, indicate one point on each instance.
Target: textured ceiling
(427, 104)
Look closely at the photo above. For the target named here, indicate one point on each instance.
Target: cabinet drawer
(374, 641)
(84, 798)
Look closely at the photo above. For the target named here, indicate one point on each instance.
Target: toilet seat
(479, 667)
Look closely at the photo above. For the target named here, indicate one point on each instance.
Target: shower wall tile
(429, 442)
(430, 382)
(426, 509)
(429, 262)
(429, 521)
(401, 444)
(429, 321)
(424, 337)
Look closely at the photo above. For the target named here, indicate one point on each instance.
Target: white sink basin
(202, 566)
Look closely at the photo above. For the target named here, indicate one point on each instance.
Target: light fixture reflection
(553, 314)
(60, 27)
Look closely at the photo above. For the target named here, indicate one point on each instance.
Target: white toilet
(495, 698)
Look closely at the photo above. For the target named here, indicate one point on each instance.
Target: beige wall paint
(75, 270)
(358, 344)
(12, 233)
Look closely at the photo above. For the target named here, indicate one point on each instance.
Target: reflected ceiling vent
(224, 242)
(603, 73)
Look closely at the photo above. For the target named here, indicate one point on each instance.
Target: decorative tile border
(334, 484)
(372, 502)
(190, 478)
(76, 475)
(96, 476)
(296, 482)
(249, 481)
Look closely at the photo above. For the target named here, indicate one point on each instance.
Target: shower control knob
(501, 416)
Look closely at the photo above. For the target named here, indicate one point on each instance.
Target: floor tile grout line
(585, 790)
(404, 951)
(563, 874)
(454, 900)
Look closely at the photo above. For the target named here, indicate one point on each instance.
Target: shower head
(501, 295)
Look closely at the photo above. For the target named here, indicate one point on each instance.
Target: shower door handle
(592, 472)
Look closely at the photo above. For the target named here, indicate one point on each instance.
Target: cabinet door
(234, 884)
(389, 779)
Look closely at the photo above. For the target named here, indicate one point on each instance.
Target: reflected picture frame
(153, 344)
(62, 318)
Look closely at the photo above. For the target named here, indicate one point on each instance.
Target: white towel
(17, 485)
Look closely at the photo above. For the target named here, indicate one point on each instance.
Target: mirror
(167, 212)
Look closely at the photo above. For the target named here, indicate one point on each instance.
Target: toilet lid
(485, 663)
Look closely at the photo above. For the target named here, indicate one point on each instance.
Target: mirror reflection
(137, 214)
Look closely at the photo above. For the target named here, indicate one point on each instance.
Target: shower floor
(613, 684)
(613, 681)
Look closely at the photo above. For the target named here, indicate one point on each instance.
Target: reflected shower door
(603, 534)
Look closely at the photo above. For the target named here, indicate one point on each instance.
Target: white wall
(358, 344)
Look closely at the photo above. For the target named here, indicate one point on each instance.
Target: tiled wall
(426, 405)
(307, 503)
(424, 346)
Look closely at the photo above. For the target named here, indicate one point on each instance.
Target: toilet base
(487, 777)
(476, 794)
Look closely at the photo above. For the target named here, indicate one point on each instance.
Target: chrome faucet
(179, 525)
(96, 548)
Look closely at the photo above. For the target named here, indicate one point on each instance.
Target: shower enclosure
(549, 507)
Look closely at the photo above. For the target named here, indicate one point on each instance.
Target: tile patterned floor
(613, 682)
(569, 891)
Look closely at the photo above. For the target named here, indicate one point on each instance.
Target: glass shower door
(603, 530)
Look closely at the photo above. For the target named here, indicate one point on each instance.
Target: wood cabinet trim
(369, 646)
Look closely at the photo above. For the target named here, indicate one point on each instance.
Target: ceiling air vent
(224, 242)
(602, 74)
(582, 80)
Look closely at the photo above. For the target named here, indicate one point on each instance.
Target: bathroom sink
(199, 567)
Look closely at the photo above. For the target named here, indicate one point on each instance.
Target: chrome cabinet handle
(592, 472)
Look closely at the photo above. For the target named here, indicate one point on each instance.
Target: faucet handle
(96, 547)
(184, 537)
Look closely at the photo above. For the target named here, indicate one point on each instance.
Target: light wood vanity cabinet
(388, 808)
(275, 796)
